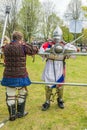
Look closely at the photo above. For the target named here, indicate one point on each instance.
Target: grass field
(72, 117)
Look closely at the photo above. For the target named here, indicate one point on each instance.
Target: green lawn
(72, 117)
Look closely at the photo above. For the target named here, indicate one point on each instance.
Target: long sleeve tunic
(15, 62)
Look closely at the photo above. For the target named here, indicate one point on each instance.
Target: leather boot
(60, 103)
(12, 112)
(45, 106)
(20, 110)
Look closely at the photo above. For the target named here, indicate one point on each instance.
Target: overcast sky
(61, 5)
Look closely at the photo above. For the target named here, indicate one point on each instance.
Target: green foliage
(52, 22)
(67, 36)
(84, 8)
(72, 117)
(49, 19)
(29, 16)
(84, 39)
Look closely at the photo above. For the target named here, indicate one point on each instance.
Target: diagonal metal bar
(2, 123)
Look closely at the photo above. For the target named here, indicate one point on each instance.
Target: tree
(29, 17)
(84, 8)
(0, 30)
(74, 8)
(84, 39)
(67, 36)
(49, 19)
(13, 16)
(74, 12)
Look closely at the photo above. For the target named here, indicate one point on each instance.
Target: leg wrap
(22, 94)
(60, 102)
(10, 96)
(48, 92)
(59, 91)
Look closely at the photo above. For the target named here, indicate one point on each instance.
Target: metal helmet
(57, 34)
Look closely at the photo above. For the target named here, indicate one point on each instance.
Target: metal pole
(68, 84)
(73, 53)
(5, 24)
(75, 30)
(76, 39)
(56, 83)
(77, 53)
